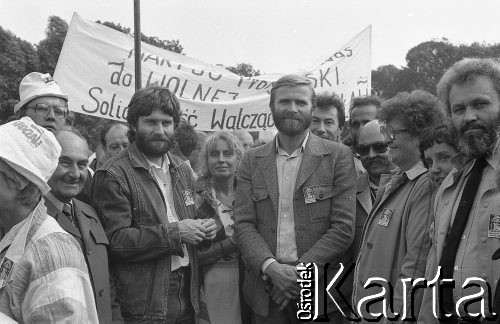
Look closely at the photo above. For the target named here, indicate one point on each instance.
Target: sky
(275, 35)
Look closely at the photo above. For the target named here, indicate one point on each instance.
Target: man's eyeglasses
(378, 147)
(390, 133)
(43, 110)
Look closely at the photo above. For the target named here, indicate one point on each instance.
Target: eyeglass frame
(371, 145)
(50, 108)
(390, 133)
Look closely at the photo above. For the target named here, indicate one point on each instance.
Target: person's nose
(470, 114)
(372, 153)
(293, 106)
(50, 115)
(73, 171)
(434, 169)
(221, 158)
(158, 129)
(321, 128)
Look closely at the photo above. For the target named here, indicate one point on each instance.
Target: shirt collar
(164, 166)
(415, 170)
(301, 148)
(372, 185)
(460, 161)
(55, 201)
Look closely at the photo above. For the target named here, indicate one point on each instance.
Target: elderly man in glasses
(41, 99)
(395, 240)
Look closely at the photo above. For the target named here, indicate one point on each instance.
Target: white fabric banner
(96, 70)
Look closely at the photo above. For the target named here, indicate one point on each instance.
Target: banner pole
(137, 43)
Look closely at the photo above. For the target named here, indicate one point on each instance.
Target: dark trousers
(180, 309)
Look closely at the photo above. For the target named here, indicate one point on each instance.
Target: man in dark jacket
(145, 198)
(81, 220)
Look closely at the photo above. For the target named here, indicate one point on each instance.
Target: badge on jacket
(494, 226)
(188, 197)
(309, 195)
(5, 270)
(385, 218)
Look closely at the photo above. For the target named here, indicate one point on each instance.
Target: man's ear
(175, 147)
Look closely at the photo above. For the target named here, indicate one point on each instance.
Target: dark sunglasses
(378, 147)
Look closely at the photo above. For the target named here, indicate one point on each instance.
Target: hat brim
(33, 96)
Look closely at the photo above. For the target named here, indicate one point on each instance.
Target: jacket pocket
(319, 210)
(260, 197)
(97, 233)
(133, 282)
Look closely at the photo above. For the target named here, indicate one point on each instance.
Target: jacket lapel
(266, 160)
(391, 187)
(63, 221)
(83, 221)
(311, 159)
(363, 193)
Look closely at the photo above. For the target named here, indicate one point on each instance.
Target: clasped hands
(284, 283)
(194, 231)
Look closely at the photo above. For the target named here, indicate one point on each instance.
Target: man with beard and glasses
(145, 198)
(295, 203)
(466, 229)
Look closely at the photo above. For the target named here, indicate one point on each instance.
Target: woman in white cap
(43, 274)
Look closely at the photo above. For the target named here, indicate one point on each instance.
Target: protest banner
(96, 70)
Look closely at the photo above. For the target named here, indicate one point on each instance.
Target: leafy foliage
(49, 48)
(170, 45)
(244, 69)
(426, 63)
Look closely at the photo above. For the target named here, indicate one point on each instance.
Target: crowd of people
(168, 224)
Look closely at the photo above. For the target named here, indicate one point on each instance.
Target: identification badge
(5, 270)
(188, 198)
(385, 218)
(494, 226)
(309, 195)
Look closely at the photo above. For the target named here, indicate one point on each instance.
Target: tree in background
(244, 69)
(170, 45)
(49, 48)
(17, 58)
(425, 64)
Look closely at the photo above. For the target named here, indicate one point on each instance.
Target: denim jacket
(141, 241)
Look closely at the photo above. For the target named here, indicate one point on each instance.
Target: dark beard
(478, 144)
(146, 146)
(291, 127)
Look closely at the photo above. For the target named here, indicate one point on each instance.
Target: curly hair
(416, 110)
(464, 71)
(291, 80)
(442, 132)
(232, 142)
(325, 100)
(146, 100)
(186, 137)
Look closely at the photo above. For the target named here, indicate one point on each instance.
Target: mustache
(472, 126)
(376, 159)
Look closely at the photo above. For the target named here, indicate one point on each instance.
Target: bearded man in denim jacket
(145, 198)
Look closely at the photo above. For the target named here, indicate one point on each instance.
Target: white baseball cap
(31, 150)
(36, 85)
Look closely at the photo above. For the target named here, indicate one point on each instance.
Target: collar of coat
(138, 159)
(314, 146)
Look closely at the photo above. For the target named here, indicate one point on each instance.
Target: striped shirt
(43, 274)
